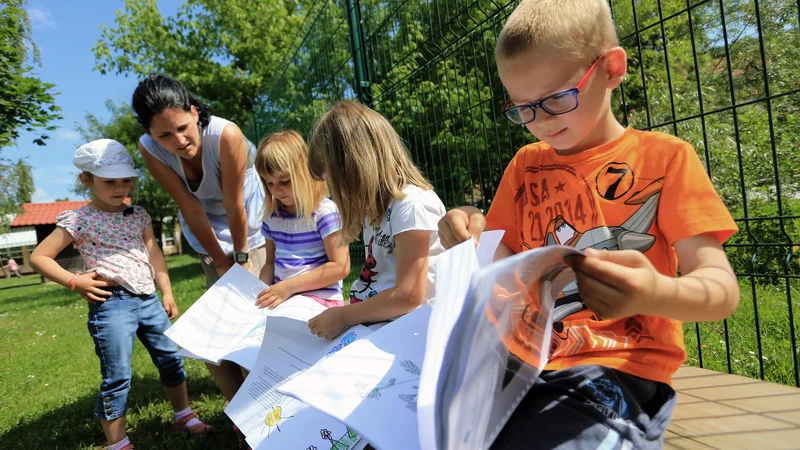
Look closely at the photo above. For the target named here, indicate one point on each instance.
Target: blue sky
(65, 32)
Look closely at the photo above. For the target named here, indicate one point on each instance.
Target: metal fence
(721, 74)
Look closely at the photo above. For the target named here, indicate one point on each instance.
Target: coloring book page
(372, 384)
(271, 420)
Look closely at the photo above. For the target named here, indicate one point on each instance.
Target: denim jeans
(114, 325)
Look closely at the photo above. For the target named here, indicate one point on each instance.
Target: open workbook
(444, 377)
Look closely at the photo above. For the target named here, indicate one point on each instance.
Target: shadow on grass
(27, 299)
(73, 426)
(186, 271)
(31, 280)
(39, 300)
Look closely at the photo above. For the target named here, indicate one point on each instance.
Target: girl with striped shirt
(301, 226)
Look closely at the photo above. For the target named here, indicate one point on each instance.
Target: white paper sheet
(271, 420)
(226, 324)
(454, 271)
(487, 245)
(222, 317)
(485, 382)
(372, 384)
(187, 354)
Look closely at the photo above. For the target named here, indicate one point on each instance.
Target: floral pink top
(112, 244)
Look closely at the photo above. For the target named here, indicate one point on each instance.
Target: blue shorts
(114, 325)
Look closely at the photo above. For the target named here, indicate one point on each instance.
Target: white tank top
(209, 191)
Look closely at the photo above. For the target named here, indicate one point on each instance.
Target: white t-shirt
(420, 209)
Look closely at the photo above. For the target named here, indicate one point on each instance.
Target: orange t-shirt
(642, 191)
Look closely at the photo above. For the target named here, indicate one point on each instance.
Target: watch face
(240, 257)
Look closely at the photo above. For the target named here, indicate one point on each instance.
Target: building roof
(19, 237)
(46, 213)
(43, 213)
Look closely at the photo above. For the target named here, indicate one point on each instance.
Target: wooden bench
(721, 411)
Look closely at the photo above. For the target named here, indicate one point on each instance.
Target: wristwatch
(241, 257)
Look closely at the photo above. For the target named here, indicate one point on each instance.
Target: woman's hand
(222, 266)
(249, 266)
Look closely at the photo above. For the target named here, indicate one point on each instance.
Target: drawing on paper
(346, 442)
(344, 341)
(411, 400)
(410, 367)
(274, 417)
(364, 391)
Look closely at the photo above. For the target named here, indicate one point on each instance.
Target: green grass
(49, 374)
(773, 327)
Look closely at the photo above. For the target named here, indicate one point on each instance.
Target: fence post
(359, 52)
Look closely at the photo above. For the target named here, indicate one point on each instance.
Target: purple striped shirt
(299, 245)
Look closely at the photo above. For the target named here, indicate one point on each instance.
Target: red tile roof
(46, 213)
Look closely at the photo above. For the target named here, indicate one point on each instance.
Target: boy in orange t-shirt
(597, 186)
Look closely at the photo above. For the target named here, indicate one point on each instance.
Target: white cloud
(67, 135)
(40, 17)
(40, 196)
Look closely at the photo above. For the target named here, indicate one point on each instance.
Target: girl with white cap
(124, 264)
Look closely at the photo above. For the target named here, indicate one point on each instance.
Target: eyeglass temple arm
(588, 74)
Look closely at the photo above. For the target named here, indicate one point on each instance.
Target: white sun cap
(105, 158)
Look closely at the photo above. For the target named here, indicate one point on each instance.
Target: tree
(26, 102)
(222, 50)
(24, 180)
(16, 189)
(123, 128)
(8, 204)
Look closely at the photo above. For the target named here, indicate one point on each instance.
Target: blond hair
(573, 30)
(285, 152)
(365, 161)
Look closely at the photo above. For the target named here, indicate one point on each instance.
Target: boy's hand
(459, 224)
(617, 284)
(329, 323)
(170, 307)
(273, 296)
(90, 289)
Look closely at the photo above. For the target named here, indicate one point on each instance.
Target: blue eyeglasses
(559, 103)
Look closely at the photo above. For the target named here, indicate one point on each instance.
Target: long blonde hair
(365, 162)
(285, 152)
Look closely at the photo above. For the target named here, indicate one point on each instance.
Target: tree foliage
(24, 182)
(222, 50)
(17, 188)
(26, 102)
